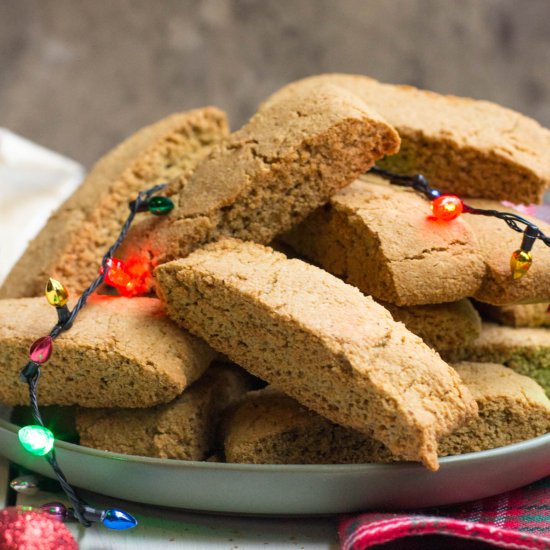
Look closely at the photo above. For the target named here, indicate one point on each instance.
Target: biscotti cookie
(523, 315)
(72, 243)
(320, 341)
(184, 429)
(525, 350)
(512, 408)
(441, 326)
(120, 353)
(266, 177)
(379, 238)
(268, 427)
(472, 148)
(496, 244)
(382, 239)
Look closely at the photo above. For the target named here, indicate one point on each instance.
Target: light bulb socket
(143, 207)
(29, 372)
(63, 315)
(26, 485)
(530, 235)
(93, 514)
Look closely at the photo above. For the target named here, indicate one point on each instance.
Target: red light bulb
(136, 268)
(116, 273)
(447, 207)
(140, 276)
(129, 278)
(41, 350)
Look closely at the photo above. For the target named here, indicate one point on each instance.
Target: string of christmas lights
(448, 207)
(129, 279)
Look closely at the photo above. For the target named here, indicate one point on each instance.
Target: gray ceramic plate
(294, 490)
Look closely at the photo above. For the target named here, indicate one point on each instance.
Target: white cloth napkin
(34, 181)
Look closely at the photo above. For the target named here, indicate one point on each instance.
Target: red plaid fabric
(519, 519)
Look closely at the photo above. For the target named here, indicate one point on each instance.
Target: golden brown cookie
(266, 177)
(119, 353)
(441, 326)
(72, 243)
(268, 427)
(522, 315)
(380, 238)
(473, 148)
(512, 408)
(320, 341)
(525, 350)
(183, 429)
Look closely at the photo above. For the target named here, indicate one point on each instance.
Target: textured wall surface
(78, 76)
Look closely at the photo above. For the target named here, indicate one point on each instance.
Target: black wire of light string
(419, 183)
(135, 207)
(78, 503)
(33, 375)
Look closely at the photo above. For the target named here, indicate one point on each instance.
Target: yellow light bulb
(520, 262)
(56, 293)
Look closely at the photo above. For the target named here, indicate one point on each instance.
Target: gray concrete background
(78, 76)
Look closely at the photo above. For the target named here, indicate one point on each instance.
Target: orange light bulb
(140, 274)
(447, 207)
(116, 273)
(129, 278)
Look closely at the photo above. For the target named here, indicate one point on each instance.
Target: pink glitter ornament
(22, 528)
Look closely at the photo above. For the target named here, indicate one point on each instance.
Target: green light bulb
(36, 439)
(160, 205)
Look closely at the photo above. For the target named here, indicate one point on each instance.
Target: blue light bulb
(118, 520)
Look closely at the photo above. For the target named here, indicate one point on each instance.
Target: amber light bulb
(130, 278)
(520, 262)
(447, 207)
(56, 293)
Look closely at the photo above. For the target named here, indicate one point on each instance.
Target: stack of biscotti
(76, 236)
(123, 360)
(355, 340)
(379, 238)
(319, 340)
(336, 125)
(255, 183)
(134, 372)
(185, 428)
